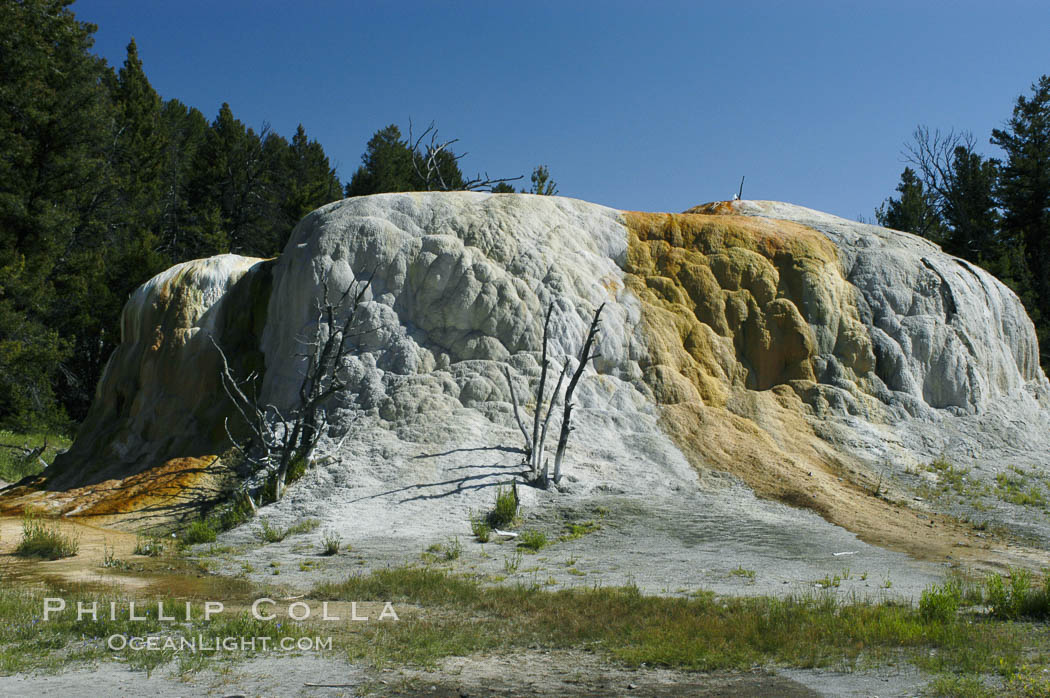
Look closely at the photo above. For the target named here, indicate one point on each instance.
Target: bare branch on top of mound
(281, 445)
(437, 167)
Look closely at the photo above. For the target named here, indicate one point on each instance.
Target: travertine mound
(806, 354)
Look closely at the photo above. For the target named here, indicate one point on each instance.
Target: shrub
(150, 547)
(234, 514)
(270, 533)
(480, 528)
(43, 541)
(330, 544)
(532, 540)
(21, 454)
(579, 530)
(506, 508)
(199, 532)
(274, 534)
(938, 604)
(1018, 598)
(452, 549)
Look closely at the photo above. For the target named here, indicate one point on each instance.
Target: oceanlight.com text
(160, 643)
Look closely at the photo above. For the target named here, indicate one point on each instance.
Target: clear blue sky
(644, 105)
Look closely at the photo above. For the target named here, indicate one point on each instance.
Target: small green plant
(330, 544)
(579, 530)
(199, 532)
(148, 546)
(952, 479)
(110, 561)
(1016, 489)
(45, 541)
(481, 529)
(512, 562)
(232, 513)
(271, 533)
(829, 581)
(451, 549)
(505, 510)
(938, 604)
(741, 571)
(1019, 598)
(532, 540)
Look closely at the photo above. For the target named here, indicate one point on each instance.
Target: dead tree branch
(585, 357)
(517, 415)
(433, 160)
(277, 442)
(537, 446)
(541, 418)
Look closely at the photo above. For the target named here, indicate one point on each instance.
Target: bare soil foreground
(696, 546)
(490, 676)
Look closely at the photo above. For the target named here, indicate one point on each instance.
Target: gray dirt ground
(661, 525)
(670, 548)
(523, 673)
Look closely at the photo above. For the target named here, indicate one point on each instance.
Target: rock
(759, 338)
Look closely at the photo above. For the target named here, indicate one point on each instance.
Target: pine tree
(1024, 194)
(122, 250)
(313, 180)
(185, 132)
(54, 126)
(386, 165)
(542, 183)
(914, 212)
(226, 190)
(141, 145)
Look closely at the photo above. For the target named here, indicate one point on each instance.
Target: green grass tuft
(330, 543)
(199, 532)
(1018, 597)
(940, 603)
(481, 529)
(505, 511)
(704, 633)
(275, 534)
(148, 546)
(532, 540)
(45, 541)
(579, 530)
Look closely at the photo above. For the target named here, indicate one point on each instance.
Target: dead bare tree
(279, 442)
(431, 160)
(535, 447)
(29, 453)
(935, 155)
(584, 358)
